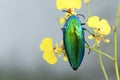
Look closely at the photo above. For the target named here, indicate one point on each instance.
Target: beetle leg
(88, 31)
(83, 23)
(81, 15)
(61, 28)
(88, 46)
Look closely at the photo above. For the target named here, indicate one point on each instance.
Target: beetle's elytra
(73, 38)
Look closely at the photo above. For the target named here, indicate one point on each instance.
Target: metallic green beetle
(74, 42)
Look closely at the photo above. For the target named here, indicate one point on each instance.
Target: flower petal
(86, 1)
(65, 58)
(66, 4)
(49, 57)
(46, 47)
(90, 37)
(104, 25)
(93, 21)
(106, 40)
(62, 21)
(57, 50)
(46, 44)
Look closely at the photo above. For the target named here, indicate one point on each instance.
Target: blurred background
(23, 25)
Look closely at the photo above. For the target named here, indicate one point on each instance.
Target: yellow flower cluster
(69, 6)
(49, 51)
(100, 28)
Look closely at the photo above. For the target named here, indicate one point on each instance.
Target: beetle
(74, 42)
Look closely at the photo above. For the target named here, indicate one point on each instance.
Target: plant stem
(99, 52)
(88, 10)
(102, 65)
(115, 43)
(115, 56)
(117, 16)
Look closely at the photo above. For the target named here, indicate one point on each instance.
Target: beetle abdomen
(73, 37)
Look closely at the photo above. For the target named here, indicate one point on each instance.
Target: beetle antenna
(64, 10)
(81, 15)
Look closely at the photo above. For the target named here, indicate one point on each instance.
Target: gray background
(24, 23)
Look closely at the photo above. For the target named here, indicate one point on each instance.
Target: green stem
(99, 52)
(94, 44)
(115, 56)
(115, 43)
(117, 16)
(88, 10)
(102, 65)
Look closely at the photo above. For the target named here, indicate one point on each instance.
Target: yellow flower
(46, 47)
(61, 21)
(57, 50)
(104, 27)
(93, 21)
(49, 52)
(100, 27)
(60, 50)
(66, 4)
(86, 1)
